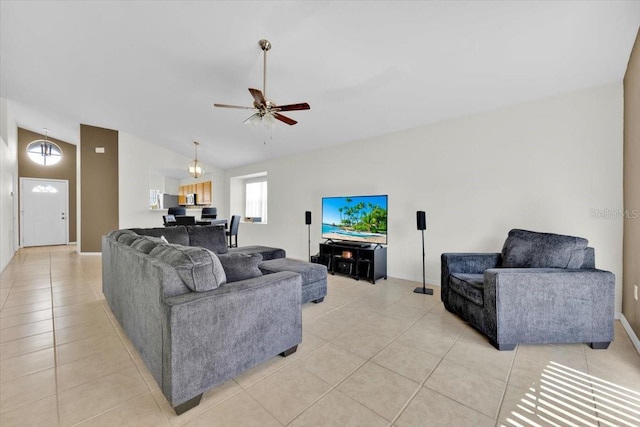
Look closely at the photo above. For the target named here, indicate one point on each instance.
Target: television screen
(355, 219)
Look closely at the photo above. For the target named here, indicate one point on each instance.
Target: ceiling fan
(265, 108)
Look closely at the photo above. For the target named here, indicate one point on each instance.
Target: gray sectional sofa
(542, 288)
(198, 318)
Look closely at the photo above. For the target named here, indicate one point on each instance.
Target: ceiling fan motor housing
(265, 44)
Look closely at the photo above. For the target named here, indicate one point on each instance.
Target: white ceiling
(153, 69)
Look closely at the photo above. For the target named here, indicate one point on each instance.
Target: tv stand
(357, 260)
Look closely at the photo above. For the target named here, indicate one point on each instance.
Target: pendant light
(195, 167)
(43, 151)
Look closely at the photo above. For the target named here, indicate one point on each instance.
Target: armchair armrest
(547, 305)
(470, 263)
(467, 263)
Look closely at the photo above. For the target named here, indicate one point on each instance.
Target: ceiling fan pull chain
(267, 134)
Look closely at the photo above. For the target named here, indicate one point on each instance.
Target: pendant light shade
(195, 167)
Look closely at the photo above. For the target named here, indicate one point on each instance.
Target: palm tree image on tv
(362, 219)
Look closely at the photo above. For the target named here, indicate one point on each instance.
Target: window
(43, 152)
(256, 201)
(248, 197)
(44, 188)
(154, 199)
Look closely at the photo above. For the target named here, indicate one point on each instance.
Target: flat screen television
(361, 219)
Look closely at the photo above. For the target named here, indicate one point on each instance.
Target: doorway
(44, 205)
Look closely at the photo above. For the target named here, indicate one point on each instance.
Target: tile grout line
(370, 359)
(135, 364)
(55, 347)
(85, 282)
(449, 351)
(591, 384)
(113, 408)
(335, 387)
(21, 266)
(422, 384)
(504, 392)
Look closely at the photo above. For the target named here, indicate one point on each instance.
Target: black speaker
(307, 217)
(421, 220)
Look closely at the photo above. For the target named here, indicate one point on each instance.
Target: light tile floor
(372, 355)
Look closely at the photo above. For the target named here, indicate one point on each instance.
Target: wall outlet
(635, 292)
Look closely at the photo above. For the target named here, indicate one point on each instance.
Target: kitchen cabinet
(202, 190)
(206, 193)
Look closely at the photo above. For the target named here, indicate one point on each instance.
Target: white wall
(8, 184)
(552, 165)
(138, 161)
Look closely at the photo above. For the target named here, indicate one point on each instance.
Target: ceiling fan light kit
(265, 110)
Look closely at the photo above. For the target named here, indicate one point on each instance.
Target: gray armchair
(542, 288)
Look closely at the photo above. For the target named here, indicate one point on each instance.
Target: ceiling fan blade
(284, 119)
(292, 107)
(258, 96)
(233, 106)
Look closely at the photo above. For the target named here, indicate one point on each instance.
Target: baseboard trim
(627, 327)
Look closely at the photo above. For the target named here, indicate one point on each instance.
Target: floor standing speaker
(421, 220)
(307, 221)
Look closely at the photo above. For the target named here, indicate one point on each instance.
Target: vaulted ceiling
(154, 68)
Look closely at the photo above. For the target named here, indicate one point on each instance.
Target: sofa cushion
(199, 268)
(529, 249)
(177, 235)
(145, 244)
(208, 236)
(241, 266)
(469, 286)
(127, 239)
(117, 233)
(310, 272)
(267, 252)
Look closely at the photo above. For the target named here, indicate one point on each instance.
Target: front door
(44, 206)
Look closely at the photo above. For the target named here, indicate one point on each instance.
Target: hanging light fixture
(195, 167)
(43, 151)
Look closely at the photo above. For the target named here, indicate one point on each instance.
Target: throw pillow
(241, 266)
(199, 268)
